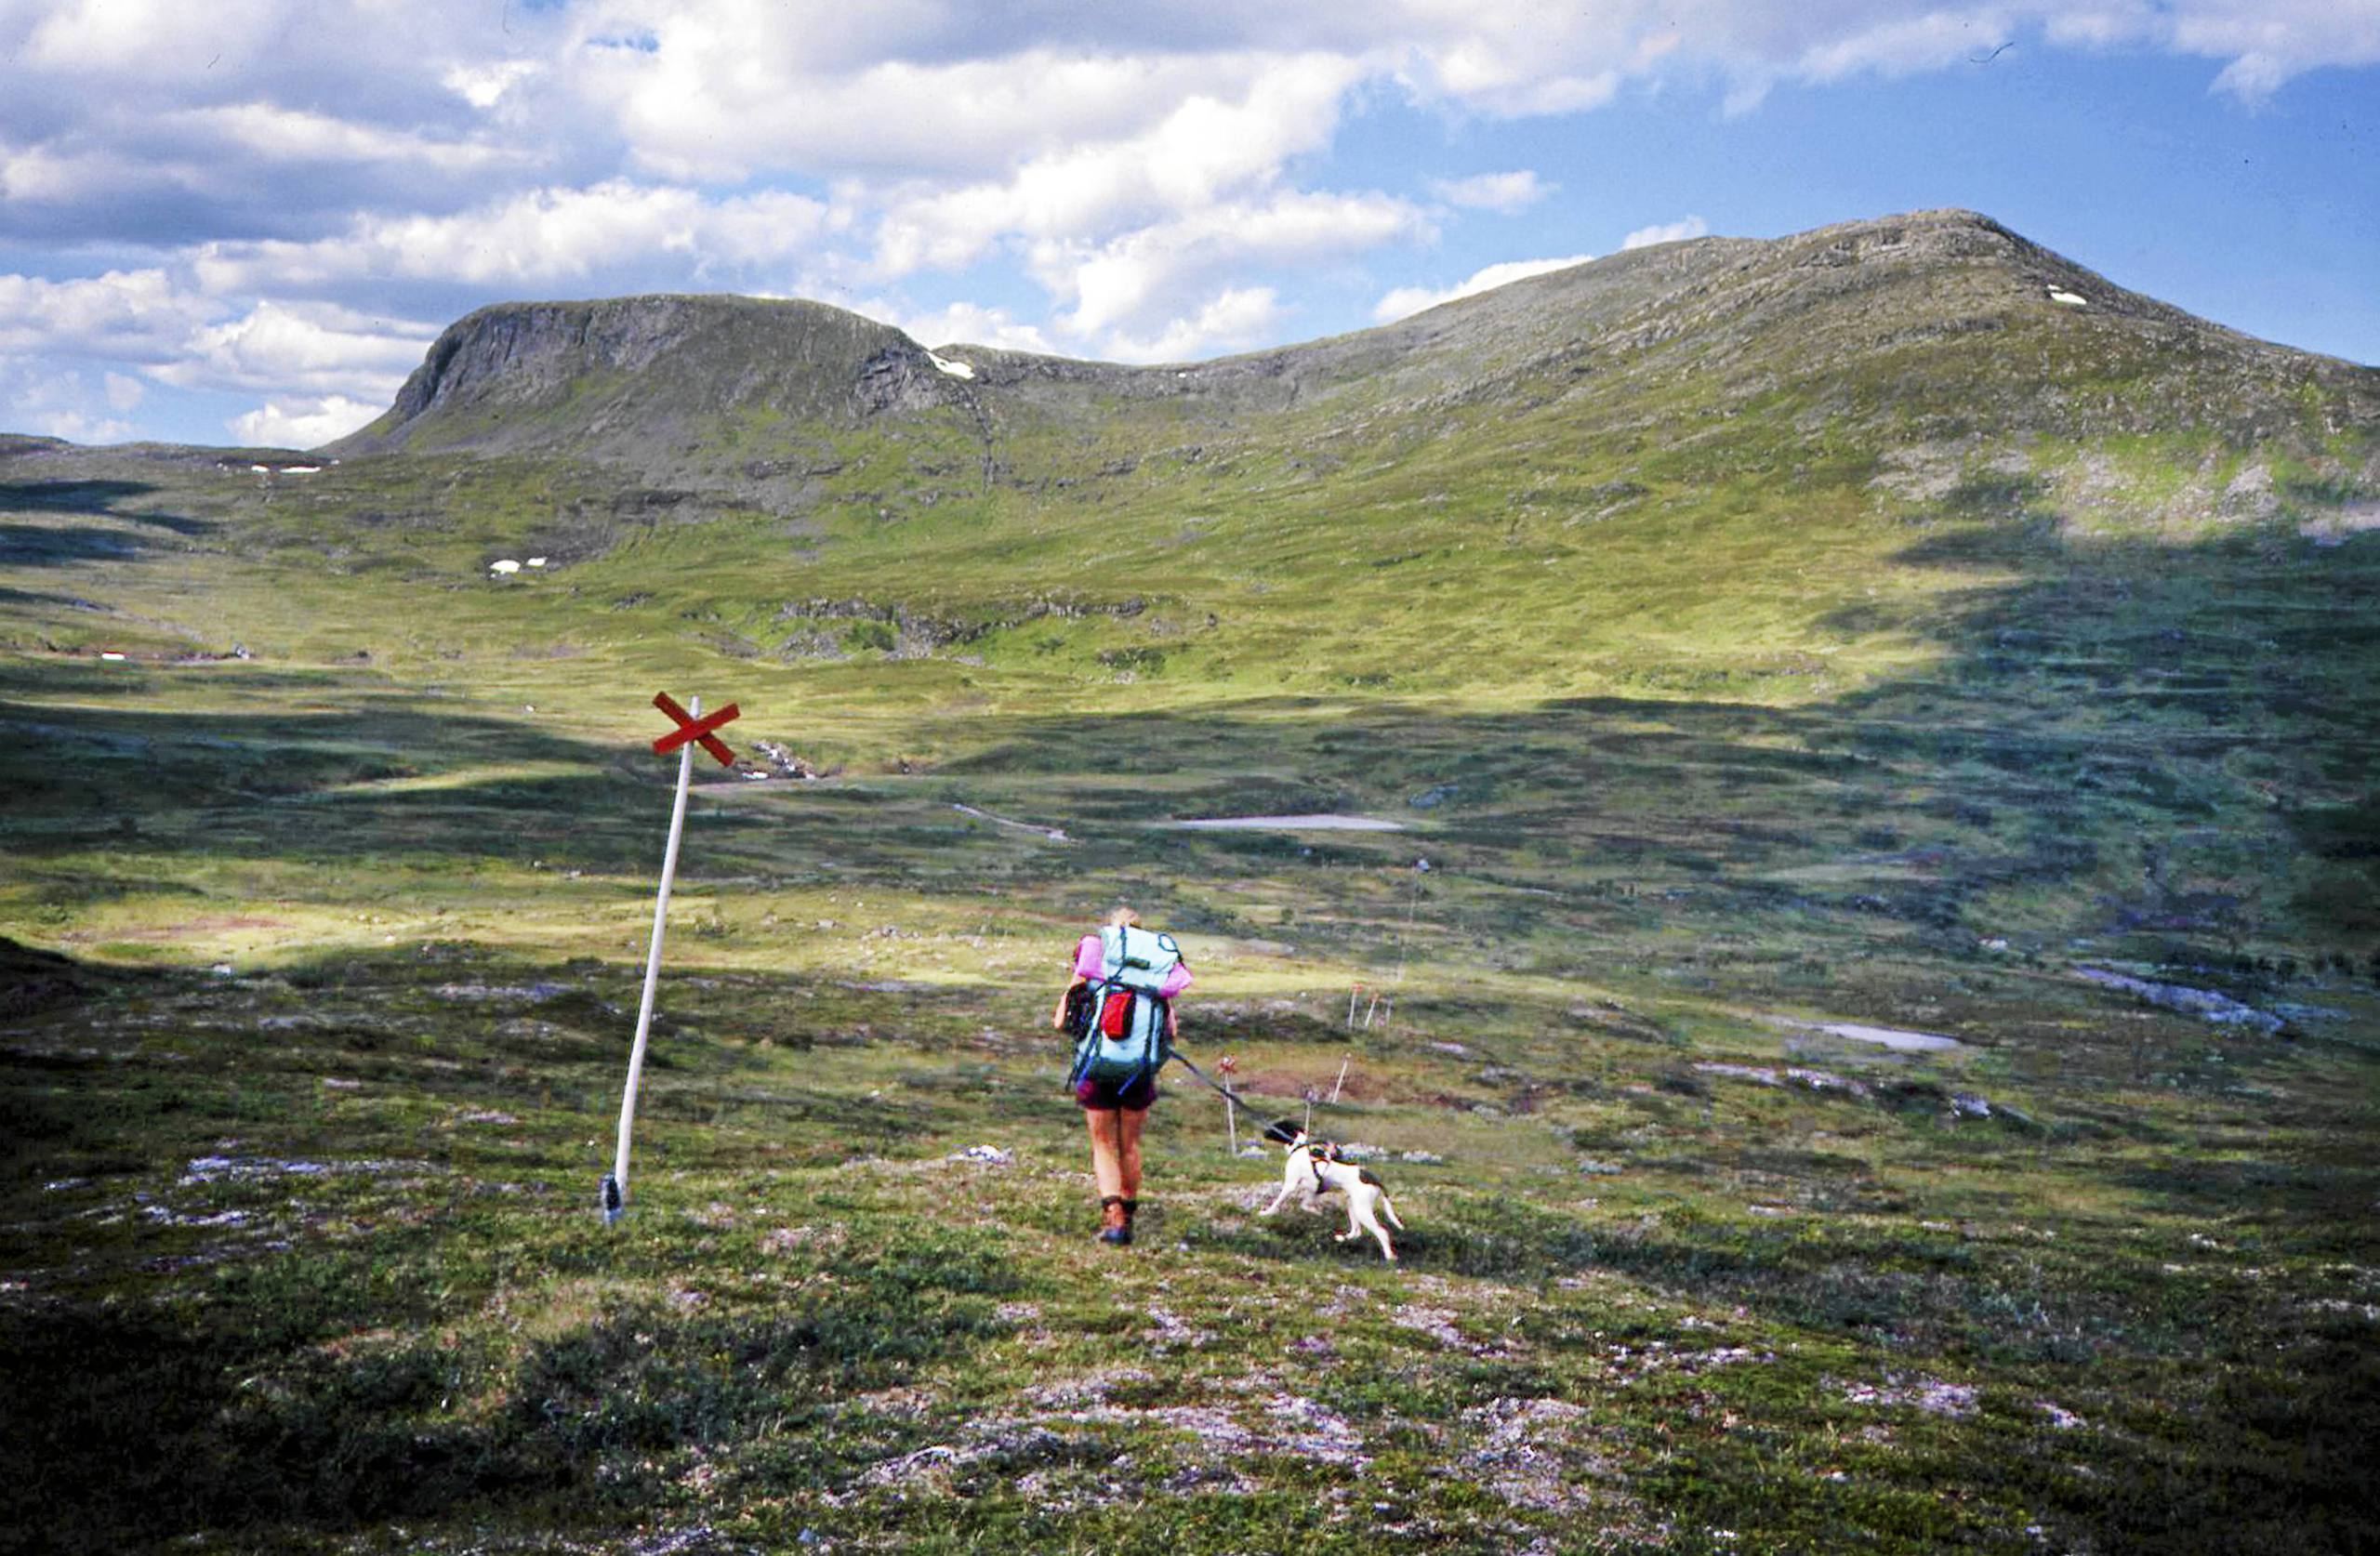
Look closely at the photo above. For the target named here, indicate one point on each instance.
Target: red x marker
(691, 727)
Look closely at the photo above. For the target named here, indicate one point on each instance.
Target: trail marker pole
(1342, 1077)
(1229, 1066)
(692, 729)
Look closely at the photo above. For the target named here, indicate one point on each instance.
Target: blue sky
(245, 221)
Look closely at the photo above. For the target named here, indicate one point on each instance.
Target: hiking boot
(1115, 1226)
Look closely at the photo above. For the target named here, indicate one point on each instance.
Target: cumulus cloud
(75, 425)
(159, 37)
(303, 423)
(1187, 157)
(541, 236)
(2268, 46)
(1408, 300)
(717, 88)
(1493, 192)
(1666, 233)
(963, 324)
(711, 103)
(281, 135)
(316, 348)
(1153, 270)
(47, 174)
(484, 86)
(39, 397)
(1232, 321)
(123, 316)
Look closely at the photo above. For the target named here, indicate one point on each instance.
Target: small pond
(1290, 823)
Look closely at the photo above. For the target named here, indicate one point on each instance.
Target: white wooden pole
(615, 1187)
(1342, 1077)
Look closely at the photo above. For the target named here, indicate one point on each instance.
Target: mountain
(1909, 484)
(1934, 325)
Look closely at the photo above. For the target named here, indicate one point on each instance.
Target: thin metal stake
(615, 1183)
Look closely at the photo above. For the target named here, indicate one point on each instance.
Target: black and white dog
(1314, 1167)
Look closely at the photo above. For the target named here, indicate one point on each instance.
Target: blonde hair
(1123, 917)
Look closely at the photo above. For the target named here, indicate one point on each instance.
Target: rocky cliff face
(633, 377)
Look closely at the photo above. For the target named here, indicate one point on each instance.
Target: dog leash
(1177, 1056)
(1183, 1059)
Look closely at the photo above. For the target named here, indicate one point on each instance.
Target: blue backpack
(1120, 1025)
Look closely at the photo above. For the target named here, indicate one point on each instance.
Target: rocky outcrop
(631, 377)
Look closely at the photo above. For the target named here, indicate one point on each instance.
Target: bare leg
(1107, 1151)
(1129, 1122)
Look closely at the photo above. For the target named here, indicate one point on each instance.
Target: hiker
(1119, 1009)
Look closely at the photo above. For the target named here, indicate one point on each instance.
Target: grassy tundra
(1752, 638)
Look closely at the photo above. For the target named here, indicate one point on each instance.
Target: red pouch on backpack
(1115, 1013)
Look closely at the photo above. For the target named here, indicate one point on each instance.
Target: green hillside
(1895, 626)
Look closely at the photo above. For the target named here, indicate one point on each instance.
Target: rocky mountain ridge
(1936, 324)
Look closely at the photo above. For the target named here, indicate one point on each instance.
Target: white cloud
(1408, 300)
(1189, 156)
(727, 91)
(280, 135)
(1511, 59)
(303, 423)
(542, 236)
(2265, 44)
(151, 37)
(135, 316)
(1149, 271)
(1493, 192)
(1233, 321)
(1902, 46)
(78, 427)
(45, 174)
(963, 324)
(2270, 44)
(36, 396)
(1667, 232)
(125, 393)
(314, 348)
(485, 85)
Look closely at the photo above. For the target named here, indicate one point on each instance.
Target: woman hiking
(1119, 1007)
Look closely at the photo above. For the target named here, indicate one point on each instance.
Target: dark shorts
(1107, 1096)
